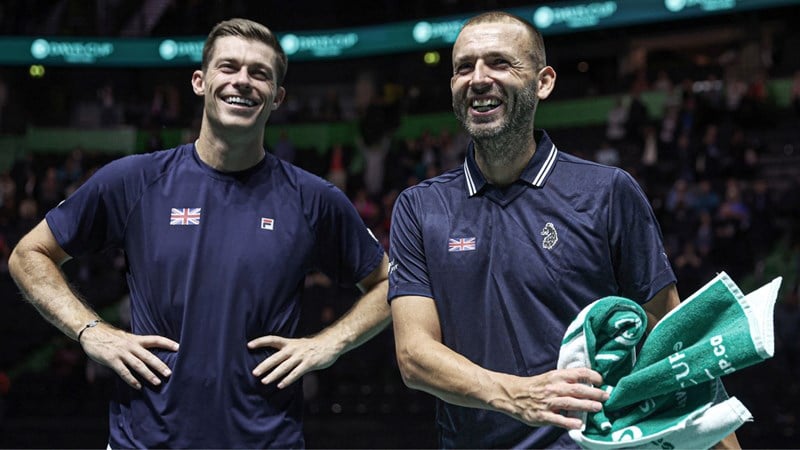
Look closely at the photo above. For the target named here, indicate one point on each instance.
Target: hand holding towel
(669, 393)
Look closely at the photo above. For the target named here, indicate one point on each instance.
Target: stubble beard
(505, 142)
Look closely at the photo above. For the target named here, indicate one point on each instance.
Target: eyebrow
(470, 56)
(257, 65)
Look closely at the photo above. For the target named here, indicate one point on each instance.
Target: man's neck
(505, 170)
(228, 155)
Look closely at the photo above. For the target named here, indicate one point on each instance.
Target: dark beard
(504, 143)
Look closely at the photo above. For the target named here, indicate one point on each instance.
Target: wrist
(90, 324)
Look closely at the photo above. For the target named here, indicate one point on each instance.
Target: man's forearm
(44, 286)
(368, 317)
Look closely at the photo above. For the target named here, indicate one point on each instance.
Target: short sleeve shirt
(215, 259)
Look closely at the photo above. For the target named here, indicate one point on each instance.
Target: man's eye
(463, 68)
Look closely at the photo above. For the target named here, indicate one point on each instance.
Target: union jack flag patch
(184, 216)
(461, 244)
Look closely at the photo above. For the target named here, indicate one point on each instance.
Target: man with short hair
(218, 235)
(490, 262)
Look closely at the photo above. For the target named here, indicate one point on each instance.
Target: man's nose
(480, 76)
(242, 78)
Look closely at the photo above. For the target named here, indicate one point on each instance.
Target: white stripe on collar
(546, 167)
(470, 182)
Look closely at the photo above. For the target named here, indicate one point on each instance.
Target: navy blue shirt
(215, 260)
(510, 268)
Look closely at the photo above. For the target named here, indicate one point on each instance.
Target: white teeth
(239, 101)
(485, 102)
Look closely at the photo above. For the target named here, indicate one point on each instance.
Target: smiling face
(496, 81)
(239, 86)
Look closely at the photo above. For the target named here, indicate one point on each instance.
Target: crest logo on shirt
(550, 236)
(184, 216)
(267, 223)
(461, 244)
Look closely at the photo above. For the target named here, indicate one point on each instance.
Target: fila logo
(267, 223)
(550, 236)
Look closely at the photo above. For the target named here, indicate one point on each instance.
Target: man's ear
(546, 83)
(279, 97)
(198, 83)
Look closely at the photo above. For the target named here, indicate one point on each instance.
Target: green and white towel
(668, 395)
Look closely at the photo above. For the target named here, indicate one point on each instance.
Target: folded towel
(669, 393)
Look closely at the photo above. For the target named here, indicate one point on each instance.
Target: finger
(574, 404)
(280, 372)
(153, 341)
(293, 376)
(559, 420)
(582, 391)
(268, 341)
(139, 367)
(126, 374)
(153, 362)
(270, 363)
(581, 375)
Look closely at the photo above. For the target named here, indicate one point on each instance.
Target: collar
(535, 173)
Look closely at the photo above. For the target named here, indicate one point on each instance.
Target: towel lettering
(682, 367)
(719, 352)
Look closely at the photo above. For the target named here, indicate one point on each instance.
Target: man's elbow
(15, 262)
(411, 369)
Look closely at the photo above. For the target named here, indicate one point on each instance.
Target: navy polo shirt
(215, 259)
(510, 268)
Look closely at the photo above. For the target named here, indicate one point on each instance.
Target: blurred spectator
(337, 167)
(24, 175)
(27, 216)
(638, 118)
(663, 83)
(711, 159)
(704, 238)
(754, 110)
(744, 156)
(284, 149)
(607, 154)
(49, 191)
(706, 199)
(72, 168)
(735, 90)
(165, 106)
(732, 251)
(110, 112)
(330, 108)
(653, 169)
(616, 121)
(366, 207)
(690, 269)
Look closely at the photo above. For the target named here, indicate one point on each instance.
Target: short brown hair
(537, 51)
(249, 30)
